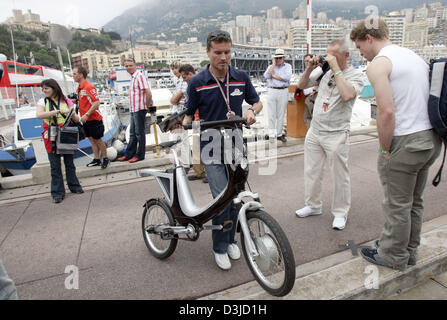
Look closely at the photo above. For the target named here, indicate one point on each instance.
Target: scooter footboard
(154, 173)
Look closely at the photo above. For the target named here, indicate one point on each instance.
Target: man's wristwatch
(254, 111)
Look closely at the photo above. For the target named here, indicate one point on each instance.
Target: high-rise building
(244, 21)
(275, 13)
(416, 34)
(421, 12)
(301, 11)
(322, 18)
(322, 35)
(409, 14)
(396, 25)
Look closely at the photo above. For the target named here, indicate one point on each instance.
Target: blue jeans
(137, 141)
(8, 290)
(217, 179)
(57, 180)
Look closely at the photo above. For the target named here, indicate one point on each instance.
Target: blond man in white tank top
(407, 144)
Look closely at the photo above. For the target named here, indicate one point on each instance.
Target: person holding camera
(327, 140)
(88, 103)
(309, 93)
(278, 75)
(53, 111)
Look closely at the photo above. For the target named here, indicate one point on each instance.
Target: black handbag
(67, 136)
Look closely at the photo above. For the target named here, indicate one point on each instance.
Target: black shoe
(411, 260)
(57, 200)
(94, 163)
(372, 256)
(205, 180)
(78, 191)
(105, 163)
(282, 138)
(266, 137)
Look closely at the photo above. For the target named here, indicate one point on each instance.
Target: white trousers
(331, 149)
(277, 104)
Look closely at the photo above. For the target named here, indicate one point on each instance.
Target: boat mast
(15, 67)
(59, 55)
(309, 26)
(71, 70)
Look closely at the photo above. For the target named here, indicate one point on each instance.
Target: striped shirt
(137, 96)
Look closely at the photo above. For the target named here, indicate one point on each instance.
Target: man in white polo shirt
(408, 145)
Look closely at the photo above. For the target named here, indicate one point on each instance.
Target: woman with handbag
(53, 110)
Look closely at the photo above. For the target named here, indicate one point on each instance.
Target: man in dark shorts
(88, 103)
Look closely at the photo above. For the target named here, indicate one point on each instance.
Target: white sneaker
(222, 261)
(233, 251)
(307, 211)
(339, 223)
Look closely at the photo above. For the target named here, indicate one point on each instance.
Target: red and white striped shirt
(137, 96)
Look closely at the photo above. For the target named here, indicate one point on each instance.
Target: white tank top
(410, 84)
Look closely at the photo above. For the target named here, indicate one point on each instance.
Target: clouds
(79, 13)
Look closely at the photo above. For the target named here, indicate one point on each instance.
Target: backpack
(437, 105)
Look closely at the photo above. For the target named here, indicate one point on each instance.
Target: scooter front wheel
(274, 267)
(157, 214)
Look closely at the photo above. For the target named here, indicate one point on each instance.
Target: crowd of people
(408, 145)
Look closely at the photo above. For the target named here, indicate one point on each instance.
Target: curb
(344, 277)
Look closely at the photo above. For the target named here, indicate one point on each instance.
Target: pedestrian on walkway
(278, 76)
(407, 144)
(327, 140)
(140, 99)
(187, 72)
(53, 111)
(179, 93)
(218, 93)
(8, 290)
(88, 104)
(178, 101)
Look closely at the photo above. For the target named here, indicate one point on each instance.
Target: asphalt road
(99, 232)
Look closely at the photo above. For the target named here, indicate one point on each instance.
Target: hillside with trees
(45, 52)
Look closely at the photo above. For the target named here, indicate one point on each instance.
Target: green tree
(204, 63)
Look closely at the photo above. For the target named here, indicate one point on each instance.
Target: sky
(77, 13)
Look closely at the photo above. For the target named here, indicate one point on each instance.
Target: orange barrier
(296, 128)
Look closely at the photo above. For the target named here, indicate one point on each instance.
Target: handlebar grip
(227, 123)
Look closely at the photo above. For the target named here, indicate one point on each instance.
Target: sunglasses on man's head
(216, 34)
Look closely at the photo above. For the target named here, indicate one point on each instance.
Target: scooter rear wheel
(274, 268)
(157, 213)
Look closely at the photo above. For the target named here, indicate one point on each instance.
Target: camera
(322, 59)
(73, 96)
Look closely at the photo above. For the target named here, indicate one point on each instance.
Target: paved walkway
(100, 233)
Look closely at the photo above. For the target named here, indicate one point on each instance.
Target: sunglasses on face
(279, 58)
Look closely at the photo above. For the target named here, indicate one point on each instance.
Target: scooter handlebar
(228, 123)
